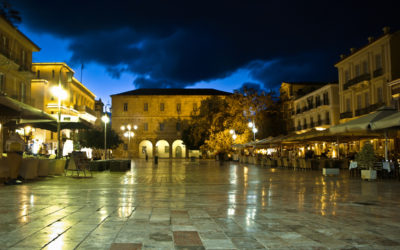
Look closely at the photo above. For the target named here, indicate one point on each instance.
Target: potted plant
(365, 159)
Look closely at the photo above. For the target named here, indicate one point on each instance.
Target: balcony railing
(364, 77)
(378, 72)
(363, 111)
(395, 91)
(346, 115)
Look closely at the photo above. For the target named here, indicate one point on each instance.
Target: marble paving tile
(205, 206)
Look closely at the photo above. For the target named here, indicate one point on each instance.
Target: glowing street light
(129, 133)
(61, 94)
(106, 120)
(252, 125)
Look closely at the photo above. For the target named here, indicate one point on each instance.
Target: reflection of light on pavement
(245, 175)
(32, 199)
(231, 211)
(233, 175)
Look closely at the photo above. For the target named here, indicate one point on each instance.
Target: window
(378, 61)
(311, 122)
(166, 149)
(178, 107)
(348, 105)
(366, 97)
(178, 126)
(358, 101)
(2, 83)
(318, 101)
(304, 123)
(146, 127)
(162, 106)
(23, 92)
(52, 73)
(379, 94)
(146, 106)
(365, 67)
(358, 71)
(326, 98)
(125, 106)
(327, 117)
(23, 57)
(346, 76)
(161, 126)
(38, 74)
(194, 107)
(319, 119)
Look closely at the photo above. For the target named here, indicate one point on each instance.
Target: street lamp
(129, 133)
(61, 94)
(106, 120)
(252, 125)
(233, 133)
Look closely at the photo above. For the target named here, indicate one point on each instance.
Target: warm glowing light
(129, 134)
(234, 137)
(59, 92)
(255, 130)
(28, 129)
(134, 127)
(122, 127)
(128, 127)
(320, 128)
(105, 119)
(250, 124)
(231, 131)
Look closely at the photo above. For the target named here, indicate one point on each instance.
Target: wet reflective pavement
(201, 205)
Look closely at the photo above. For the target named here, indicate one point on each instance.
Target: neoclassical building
(79, 104)
(364, 75)
(157, 115)
(317, 110)
(15, 62)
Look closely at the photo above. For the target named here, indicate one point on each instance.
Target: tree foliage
(94, 138)
(9, 13)
(209, 129)
(366, 157)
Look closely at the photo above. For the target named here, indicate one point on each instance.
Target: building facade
(365, 73)
(317, 110)
(290, 91)
(157, 115)
(15, 62)
(79, 103)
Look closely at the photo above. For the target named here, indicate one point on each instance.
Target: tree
(366, 157)
(9, 13)
(210, 114)
(94, 138)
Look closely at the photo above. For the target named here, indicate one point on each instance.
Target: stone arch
(178, 149)
(147, 146)
(162, 147)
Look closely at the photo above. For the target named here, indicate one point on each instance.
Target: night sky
(215, 44)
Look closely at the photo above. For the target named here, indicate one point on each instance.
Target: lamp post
(129, 133)
(233, 133)
(252, 125)
(61, 94)
(105, 119)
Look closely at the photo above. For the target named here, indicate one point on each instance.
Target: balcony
(363, 111)
(354, 81)
(378, 72)
(84, 108)
(395, 91)
(346, 115)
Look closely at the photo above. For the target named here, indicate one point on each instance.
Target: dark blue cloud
(180, 43)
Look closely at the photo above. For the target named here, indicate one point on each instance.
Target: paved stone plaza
(201, 205)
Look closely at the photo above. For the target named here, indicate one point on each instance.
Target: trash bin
(155, 159)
